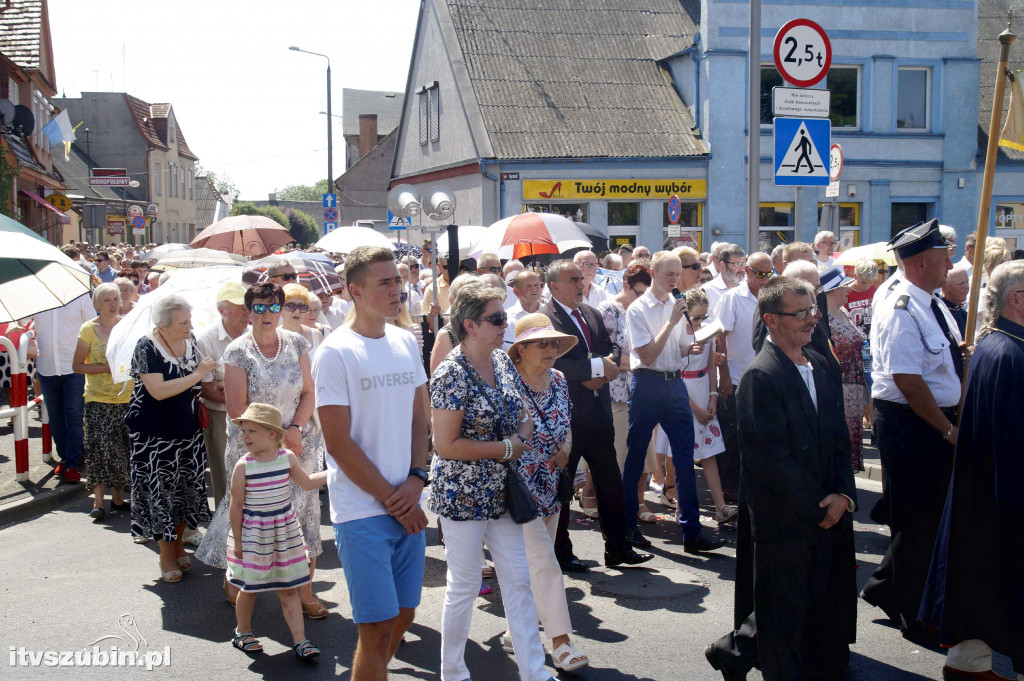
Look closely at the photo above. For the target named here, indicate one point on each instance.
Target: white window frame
(860, 88)
(927, 98)
(158, 179)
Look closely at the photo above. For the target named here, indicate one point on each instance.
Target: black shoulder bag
(518, 497)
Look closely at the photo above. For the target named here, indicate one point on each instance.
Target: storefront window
(848, 234)
(1010, 216)
(623, 213)
(776, 225)
(574, 211)
(687, 232)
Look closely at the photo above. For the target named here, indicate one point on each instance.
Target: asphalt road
(67, 582)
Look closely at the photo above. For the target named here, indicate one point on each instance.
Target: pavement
(71, 583)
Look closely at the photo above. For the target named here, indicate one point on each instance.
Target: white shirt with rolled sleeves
(644, 319)
(899, 346)
(595, 296)
(736, 310)
(714, 290)
(57, 335)
(376, 378)
(212, 343)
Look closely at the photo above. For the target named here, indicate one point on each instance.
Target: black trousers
(916, 468)
(729, 460)
(593, 439)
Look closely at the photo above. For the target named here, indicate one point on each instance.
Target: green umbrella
(34, 275)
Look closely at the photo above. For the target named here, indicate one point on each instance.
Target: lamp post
(330, 135)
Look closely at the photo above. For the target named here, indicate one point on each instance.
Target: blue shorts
(383, 566)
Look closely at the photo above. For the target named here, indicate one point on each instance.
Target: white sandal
(567, 658)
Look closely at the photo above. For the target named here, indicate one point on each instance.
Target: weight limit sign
(802, 52)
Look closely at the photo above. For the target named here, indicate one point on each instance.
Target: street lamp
(330, 135)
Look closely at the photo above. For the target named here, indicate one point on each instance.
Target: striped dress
(274, 554)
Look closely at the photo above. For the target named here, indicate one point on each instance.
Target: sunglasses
(761, 275)
(414, 266)
(292, 307)
(496, 319)
(287, 277)
(802, 314)
(695, 266)
(260, 308)
(544, 344)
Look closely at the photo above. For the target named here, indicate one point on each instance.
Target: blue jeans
(65, 403)
(655, 401)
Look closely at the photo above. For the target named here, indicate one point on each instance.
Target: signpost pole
(754, 130)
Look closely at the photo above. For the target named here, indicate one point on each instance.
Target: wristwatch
(421, 474)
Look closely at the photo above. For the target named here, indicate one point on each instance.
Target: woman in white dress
(703, 391)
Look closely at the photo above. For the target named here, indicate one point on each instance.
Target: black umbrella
(596, 236)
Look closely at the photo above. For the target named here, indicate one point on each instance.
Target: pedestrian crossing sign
(801, 151)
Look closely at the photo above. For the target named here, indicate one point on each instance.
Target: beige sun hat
(264, 414)
(535, 327)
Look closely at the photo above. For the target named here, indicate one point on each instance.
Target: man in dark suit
(796, 593)
(588, 367)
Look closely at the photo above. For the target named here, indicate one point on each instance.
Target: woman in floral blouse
(546, 393)
(479, 421)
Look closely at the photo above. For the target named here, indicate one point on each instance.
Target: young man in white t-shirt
(370, 382)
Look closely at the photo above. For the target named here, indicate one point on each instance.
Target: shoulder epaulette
(901, 302)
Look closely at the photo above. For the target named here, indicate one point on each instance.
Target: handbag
(518, 497)
(202, 415)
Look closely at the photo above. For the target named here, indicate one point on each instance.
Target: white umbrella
(529, 234)
(198, 257)
(345, 239)
(34, 275)
(198, 286)
(165, 250)
(876, 251)
(471, 240)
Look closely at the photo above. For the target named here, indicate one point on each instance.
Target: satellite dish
(404, 201)
(6, 112)
(24, 120)
(439, 204)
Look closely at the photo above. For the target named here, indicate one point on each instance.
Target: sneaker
(71, 474)
(59, 469)
(485, 589)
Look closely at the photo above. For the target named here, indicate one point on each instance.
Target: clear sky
(248, 107)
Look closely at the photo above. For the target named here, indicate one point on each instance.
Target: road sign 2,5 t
(802, 52)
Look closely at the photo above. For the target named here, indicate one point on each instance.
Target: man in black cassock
(796, 591)
(975, 590)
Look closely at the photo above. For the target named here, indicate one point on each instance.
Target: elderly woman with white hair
(168, 455)
(106, 438)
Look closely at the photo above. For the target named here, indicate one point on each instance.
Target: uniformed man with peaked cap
(917, 362)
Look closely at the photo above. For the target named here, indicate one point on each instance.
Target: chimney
(367, 133)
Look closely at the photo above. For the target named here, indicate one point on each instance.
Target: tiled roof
(143, 116)
(991, 22)
(23, 154)
(21, 32)
(387, 106)
(554, 79)
(161, 113)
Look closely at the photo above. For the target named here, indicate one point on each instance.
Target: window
(170, 179)
(903, 215)
(848, 234)
(576, 212)
(190, 190)
(776, 223)
(423, 98)
(435, 114)
(844, 84)
(623, 213)
(158, 179)
(1010, 216)
(687, 232)
(769, 78)
(181, 177)
(913, 93)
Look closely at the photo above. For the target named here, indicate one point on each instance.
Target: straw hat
(264, 414)
(537, 326)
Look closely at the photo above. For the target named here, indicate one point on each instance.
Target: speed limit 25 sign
(802, 52)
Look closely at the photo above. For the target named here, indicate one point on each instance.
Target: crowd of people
(764, 370)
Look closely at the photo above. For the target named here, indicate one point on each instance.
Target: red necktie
(584, 328)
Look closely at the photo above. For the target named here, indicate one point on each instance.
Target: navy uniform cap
(918, 239)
